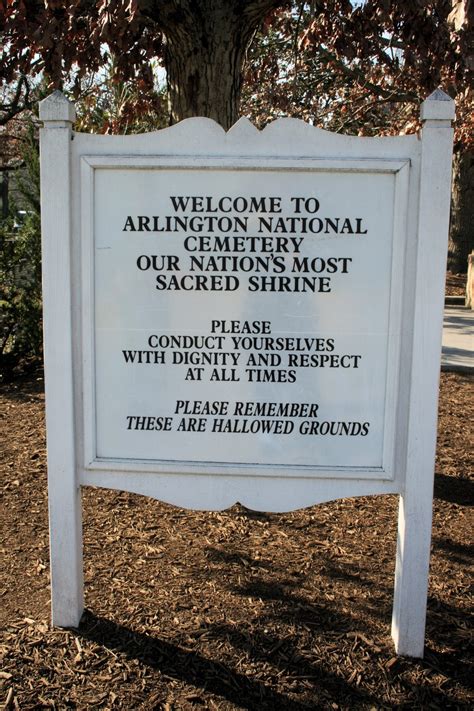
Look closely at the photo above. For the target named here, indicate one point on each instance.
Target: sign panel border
(398, 168)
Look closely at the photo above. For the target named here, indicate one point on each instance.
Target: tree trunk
(461, 233)
(207, 41)
(204, 64)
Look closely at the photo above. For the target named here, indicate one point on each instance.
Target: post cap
(57, 108)
(437, 107)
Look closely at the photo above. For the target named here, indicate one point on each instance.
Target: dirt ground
(231, 610)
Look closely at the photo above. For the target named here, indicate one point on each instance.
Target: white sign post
(244, 316)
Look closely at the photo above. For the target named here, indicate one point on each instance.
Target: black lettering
(129, 225)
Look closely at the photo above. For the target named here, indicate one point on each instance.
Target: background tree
(110, 104)
(202, 44)
(392, 49)
(354, 67)
(363, 69)
(402, 51)
(20, 263)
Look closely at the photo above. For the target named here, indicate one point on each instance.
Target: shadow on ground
(194, 669)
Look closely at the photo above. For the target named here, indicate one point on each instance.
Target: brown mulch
(455, 284)
(231, 610)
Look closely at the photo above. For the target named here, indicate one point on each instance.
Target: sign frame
(67, 163)
(398, 168)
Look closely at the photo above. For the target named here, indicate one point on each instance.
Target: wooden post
(415, 511)
(58, 115)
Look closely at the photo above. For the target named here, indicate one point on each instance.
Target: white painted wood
(71, 174)
(396, 168)
(63, 488)
(209, 492)
(283, 138)
(209, 486)
(415, 512)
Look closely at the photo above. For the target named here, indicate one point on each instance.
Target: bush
(20, 271)
(20, 290)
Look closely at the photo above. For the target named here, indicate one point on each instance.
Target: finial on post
(57, 109)
(437, 107)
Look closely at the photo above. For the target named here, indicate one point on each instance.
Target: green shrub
(20, 269)
(20, 290)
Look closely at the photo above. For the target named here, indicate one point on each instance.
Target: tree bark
(461, 233)
(206, 45)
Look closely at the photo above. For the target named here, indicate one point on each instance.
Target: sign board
(245, 308)
(241, 317)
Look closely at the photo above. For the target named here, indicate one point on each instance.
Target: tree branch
(360, 76)
(11, 109)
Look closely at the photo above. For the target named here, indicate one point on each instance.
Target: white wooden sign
(244, 316)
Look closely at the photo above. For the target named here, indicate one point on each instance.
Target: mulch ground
(231, 610)
(455, 284)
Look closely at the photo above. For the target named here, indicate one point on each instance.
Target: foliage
(400, 52)
(354, 66)
(361, 68)
(20, 269)
(15, 97)
(109, 104)
(20, 290)
(59, 39)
